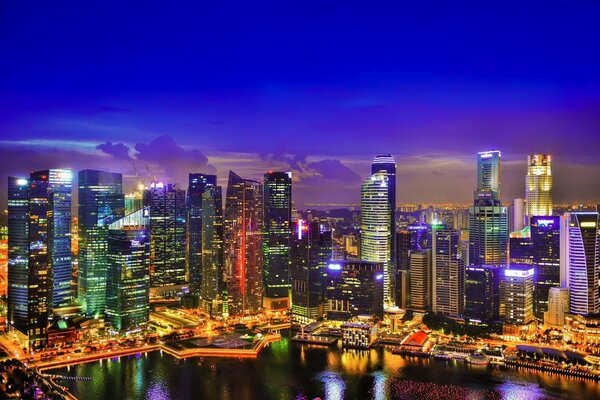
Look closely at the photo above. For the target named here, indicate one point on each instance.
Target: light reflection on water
(292, 371)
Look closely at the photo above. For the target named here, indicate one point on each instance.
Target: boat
(478, 358)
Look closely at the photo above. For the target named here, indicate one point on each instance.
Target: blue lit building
(545, 237)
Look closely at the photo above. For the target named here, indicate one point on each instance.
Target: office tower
(403, 249)
(101, 202)
(516, 294)
(538, 185)
(50, 232)
(558, 306)
(448, 273)
(198, 183)
(134, 201)
(277, 201)
(488, 171)
(583, 263)
(385, 163)
(520, 246)
(167, 235)
(310, 252)
(354, 288)
(482, 293)
(243, 245)
(488, 220)
(375, 240)
(518, 216)
(20, 281)
(545, 238)
(212, 283)
(420, 280)
(128, 277)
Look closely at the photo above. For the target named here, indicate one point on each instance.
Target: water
(289, 370)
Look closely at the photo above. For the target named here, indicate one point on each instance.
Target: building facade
(516, 294)
(448, 273)
(545, 238)
(420, 280)
(482, 293)
(538, 185)
(212, 283)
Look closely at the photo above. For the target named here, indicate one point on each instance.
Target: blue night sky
(314, 87)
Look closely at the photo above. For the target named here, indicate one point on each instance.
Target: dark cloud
(175, 161)
(329, 169)
(118, 150)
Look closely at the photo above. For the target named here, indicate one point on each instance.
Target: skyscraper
(385, 163)
(420, 280)
(488, 219)
(128, 273)
(538, 185)
(488, 171)
(518, 215)
(243, 245)
(311, 251)
(101, 202)
(50, 233)
(20, 281)
(448, 273)
(583, 263)
(516, 294)
(277, 229)
(545, 238)
(520, 246)
(212, 283)
(482, 293)
(167, 235)
(375, 228)
(198, 184)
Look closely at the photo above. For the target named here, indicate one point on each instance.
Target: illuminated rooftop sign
(516, 273)
(334, 267)
(588, 224)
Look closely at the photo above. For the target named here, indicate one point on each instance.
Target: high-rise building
(101, 202)
(385, 163)
(128, 273)
(277, 229)
(482, 293)
(516, 294)
(448, 273)
(558, 306)
(212, 283)
(243, 245)
(583, 263)
(375, 231)
(488, 171)
(354, 288)
(198, 184)
(420, 280)
(488, 231)
(545, 238)
(167, 236)
(50, 231)
(134, 201)
(518, 215)
(311, 251)
(538, 185)
(520, 246)
(21, 280)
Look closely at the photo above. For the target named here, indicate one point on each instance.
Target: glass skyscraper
(448, 273)
(538, 185)
(198, 184)
(212, 284)
(385, 163)
(243, 245)
(101, 202)
(375, 239)
(488, 171)
(277, 229)
(583, 263)
(167, 235)
(482, 293)
(545, 238)
(128, 274)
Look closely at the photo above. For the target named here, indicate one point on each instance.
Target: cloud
(328, 169)
(118, 150)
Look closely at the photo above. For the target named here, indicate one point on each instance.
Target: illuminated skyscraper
(243, 245)
(386, 163)
(583, 263)
(167, 235)
(516, 294)
(212, 284)
(420, 280)
(101, 202)
(448, 273)
(482, 293)
(198, 184)
(311, 251)
(20, 281)
(375, 231)
(538, 185)
(128, 274)
(488, 171)
(545, 238)
(277, 229)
